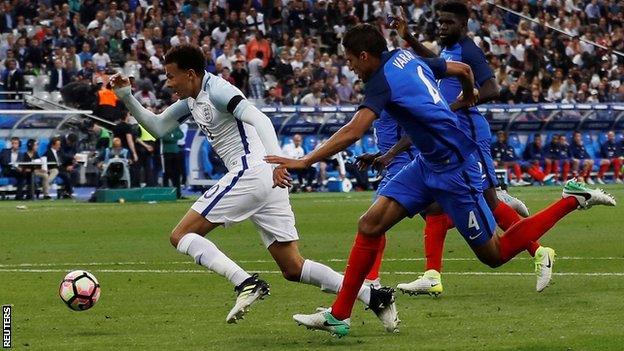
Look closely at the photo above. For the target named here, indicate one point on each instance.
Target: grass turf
(154, 298)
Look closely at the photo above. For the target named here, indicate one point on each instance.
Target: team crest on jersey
(207, 113)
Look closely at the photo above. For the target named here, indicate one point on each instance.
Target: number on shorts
(472, 221)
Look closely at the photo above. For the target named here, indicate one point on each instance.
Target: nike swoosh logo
(549, 263)
(474, 237)
(327, 324)
(585, 195)
(432, 285)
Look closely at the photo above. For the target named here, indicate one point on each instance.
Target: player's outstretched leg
(296, 268)
(377, 220)
(575, 195)
(507, 215)
(187, 239)
(381, 303)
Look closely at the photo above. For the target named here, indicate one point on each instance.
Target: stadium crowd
(288, 53)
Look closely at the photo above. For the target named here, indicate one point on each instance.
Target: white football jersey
(237, 143)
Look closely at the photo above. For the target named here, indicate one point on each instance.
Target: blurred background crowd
(288, 53)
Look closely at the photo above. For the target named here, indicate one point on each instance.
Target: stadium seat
(286, 140)
(43, 146)
(309, 143)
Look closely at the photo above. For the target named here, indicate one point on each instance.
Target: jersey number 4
(435, 94)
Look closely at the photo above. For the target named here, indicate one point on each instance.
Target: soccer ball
(79, 290)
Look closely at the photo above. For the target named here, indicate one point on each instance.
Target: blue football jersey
(466, 51)
(404, 87)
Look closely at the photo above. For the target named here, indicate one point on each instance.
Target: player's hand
(118, 81)
(381, 162)
(465, 101)
(285, 162)
(399, 23)
(281, 178)
(365, 160)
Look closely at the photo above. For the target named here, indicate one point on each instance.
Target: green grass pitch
(154, 298)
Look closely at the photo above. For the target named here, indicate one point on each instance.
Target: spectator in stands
(58, 166)
(293, 97)
(580, 156)
(505, 157)
(557, 156)
(241, 76)
(171, 160)
(12, 78)
(256, 78)
(313, 98)
(59, 77)
(295, 150)
(101, 58)
(611, 154)
(345, 91)
(8, 160)
(32, 155)
(123, 131)
(146, 95)
(272, 99)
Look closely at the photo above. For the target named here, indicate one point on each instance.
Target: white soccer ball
(79, 290)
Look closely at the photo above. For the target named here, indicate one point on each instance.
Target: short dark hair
(187, 57)
(364, 37)
(457, 8)
(259, 54)
(54, 140)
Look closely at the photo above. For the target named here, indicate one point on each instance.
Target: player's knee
(369, 226)
(175, 237)
(292, 274)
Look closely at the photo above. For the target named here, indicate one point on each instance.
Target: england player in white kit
(241, 135)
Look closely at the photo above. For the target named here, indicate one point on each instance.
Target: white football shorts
(249, 193)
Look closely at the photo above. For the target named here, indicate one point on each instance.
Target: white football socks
(328, 280)
(208, 255)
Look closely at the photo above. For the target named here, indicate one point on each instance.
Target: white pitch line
(170, 271)
(142, 263)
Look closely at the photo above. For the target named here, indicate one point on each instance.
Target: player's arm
(489, 91)
(347, 135)
(399, 23)
(483, 73)
(381, 162)
(157, 125)
(443, 69)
